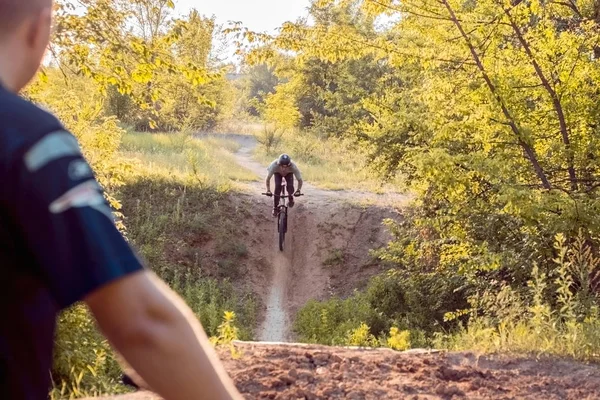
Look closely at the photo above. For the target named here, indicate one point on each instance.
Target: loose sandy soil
(286, 372)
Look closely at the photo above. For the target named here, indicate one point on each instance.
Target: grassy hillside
(177, 202)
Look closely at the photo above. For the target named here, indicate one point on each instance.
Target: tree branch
(555, 100)
(528, 150)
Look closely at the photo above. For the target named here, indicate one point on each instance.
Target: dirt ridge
(285, 372)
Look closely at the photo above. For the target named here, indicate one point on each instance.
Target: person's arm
(298, 176)
(160, 337)
(270, 172)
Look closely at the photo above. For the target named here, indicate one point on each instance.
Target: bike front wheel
(282, 228)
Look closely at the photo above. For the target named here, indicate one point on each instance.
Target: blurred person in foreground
(59, 245)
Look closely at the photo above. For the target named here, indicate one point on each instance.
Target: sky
(257, 15)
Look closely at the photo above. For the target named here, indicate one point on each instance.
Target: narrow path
(276, 325)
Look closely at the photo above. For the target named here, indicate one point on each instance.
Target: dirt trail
(275, 327)
(325, 227)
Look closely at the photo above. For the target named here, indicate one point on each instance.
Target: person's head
(24, 36)
(284, 160)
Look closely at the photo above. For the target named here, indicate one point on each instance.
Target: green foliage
(361, 337)
(153, 68)
(84, 364)
(391, 303)
(280, 107)
(329, 322)
(551, 317)
(227, 333)
(398, 340)
(211, 299)
(259, 83)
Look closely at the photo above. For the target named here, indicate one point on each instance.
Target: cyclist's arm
(160, 338)
(298, 176)
(270, 173)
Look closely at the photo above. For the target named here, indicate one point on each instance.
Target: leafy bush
(361, 337)
(398, 340)
(84, 364)
(329, 322)
(391, 304)
(558, 314)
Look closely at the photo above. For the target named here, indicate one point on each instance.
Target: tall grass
(331, 163)
(244, 125)
(84, 364)
(181, 155)
(558, 315)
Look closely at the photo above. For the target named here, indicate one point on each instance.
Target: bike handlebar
(278, 195)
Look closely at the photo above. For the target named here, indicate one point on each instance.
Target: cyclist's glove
(269, 194)
(297, 193)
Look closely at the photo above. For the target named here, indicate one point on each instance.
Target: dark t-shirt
(58, 241)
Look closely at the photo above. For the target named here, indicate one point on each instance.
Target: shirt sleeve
(271, 169)
(66, 222)
(296, 172)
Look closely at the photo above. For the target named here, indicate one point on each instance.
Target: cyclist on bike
(59, 245)
(283, 167)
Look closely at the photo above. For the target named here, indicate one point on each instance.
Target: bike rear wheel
(282, 228)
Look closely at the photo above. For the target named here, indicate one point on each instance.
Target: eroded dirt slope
(326, 253)
(327, 246)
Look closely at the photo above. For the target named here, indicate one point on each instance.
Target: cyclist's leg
(289, 179)
(277, 192)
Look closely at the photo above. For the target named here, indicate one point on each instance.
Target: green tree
(489, 109)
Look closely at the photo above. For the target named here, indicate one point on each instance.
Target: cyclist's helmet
(284, 159)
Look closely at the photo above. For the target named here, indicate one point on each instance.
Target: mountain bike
(282, 212)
